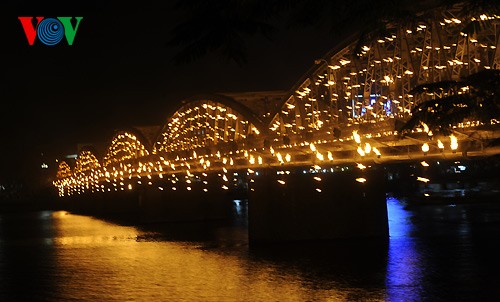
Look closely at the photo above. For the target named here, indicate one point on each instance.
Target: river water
(434, 253)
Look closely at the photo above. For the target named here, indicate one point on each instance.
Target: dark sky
(119, 72)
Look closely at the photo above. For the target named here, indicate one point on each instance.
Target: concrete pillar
(317, 206)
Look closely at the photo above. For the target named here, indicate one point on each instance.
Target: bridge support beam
(317, 206)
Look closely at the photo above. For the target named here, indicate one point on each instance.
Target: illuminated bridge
(308, 159)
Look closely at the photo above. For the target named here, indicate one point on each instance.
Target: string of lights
(348, 103)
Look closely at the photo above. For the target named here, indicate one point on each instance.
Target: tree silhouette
(474, 98)
(225, 26)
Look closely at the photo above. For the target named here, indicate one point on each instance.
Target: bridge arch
(86, 162)
(371, 82)
(63, 170)
(126, 145)
(204, 121)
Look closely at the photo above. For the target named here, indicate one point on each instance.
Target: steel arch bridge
(343, 110)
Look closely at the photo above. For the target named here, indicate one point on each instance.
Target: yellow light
(361, 151)
(280, 159)
(129, 186)
(259, 159)
(426, 128)
(361, 179)
(425, 148)
(330, 156)
(316, 178)
(312, 147)
(453, 142)
(440, 144)
(375, 150)
(288, 158)
(356, 136)
(361, 166)
(424, 163)
(423, 179)
(282, 182)
(319, 156)
(368, 148)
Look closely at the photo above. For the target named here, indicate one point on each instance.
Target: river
(434, 253)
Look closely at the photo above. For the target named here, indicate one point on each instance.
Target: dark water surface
(435, 253)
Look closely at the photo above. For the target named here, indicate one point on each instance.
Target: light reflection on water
(404, 269)
(433, 254)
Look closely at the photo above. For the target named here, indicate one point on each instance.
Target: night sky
(119, 73)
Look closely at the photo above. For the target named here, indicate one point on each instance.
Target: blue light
(387, 107)
(399, 218)
(404, 267)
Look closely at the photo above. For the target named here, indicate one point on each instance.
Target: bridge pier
(316, 206)
(183, 204)
(160, 201)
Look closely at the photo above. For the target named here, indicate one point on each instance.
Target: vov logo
(50, 31)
